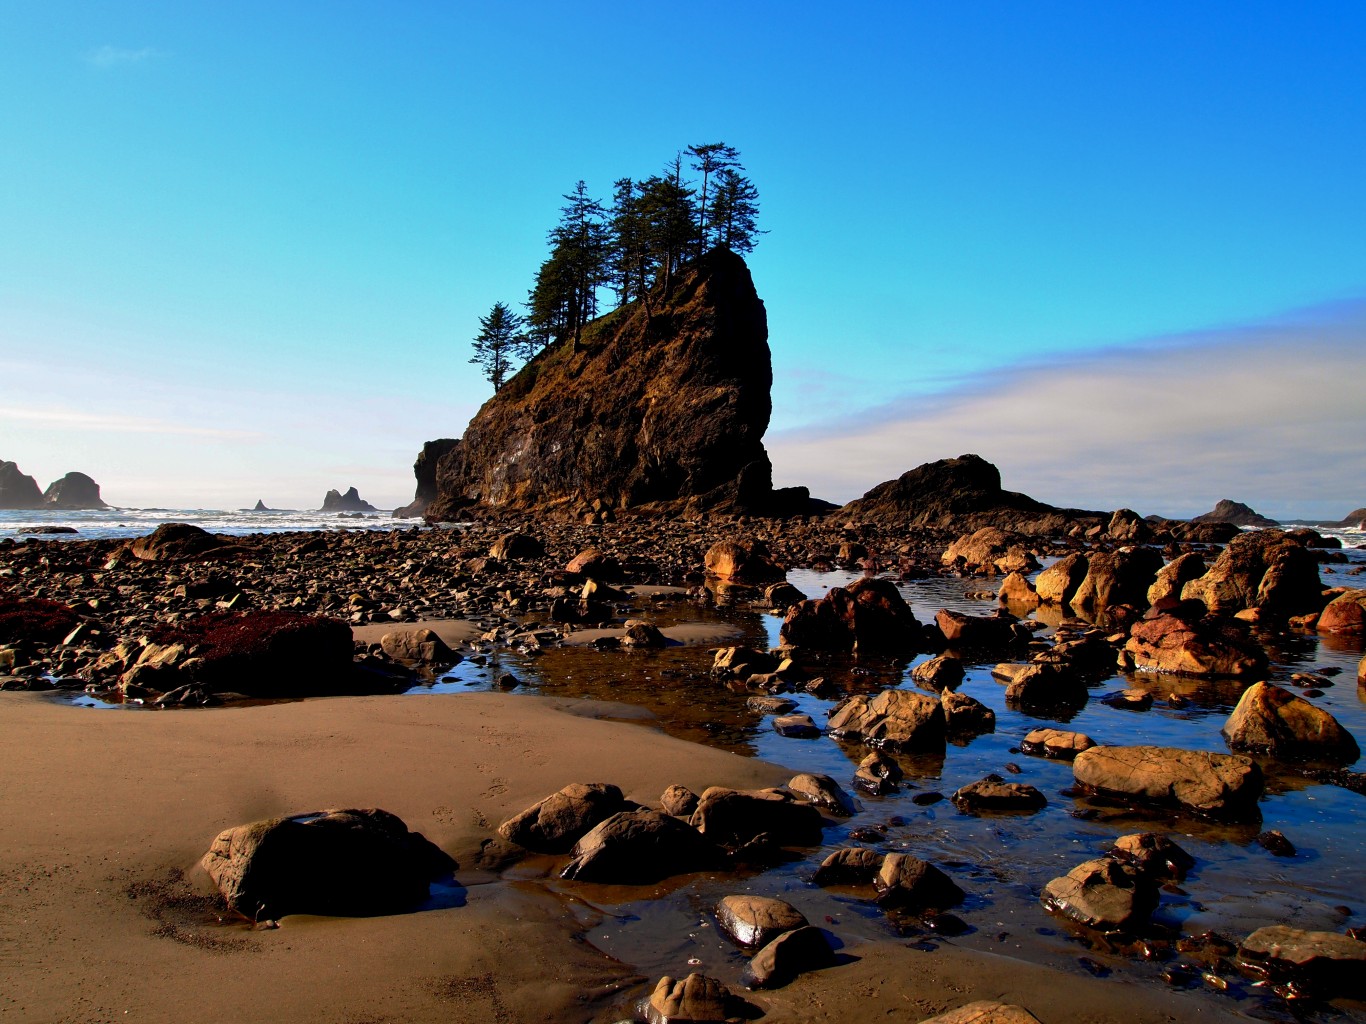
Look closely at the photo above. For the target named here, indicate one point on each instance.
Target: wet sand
(104, 916)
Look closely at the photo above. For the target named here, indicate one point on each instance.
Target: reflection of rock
(1219, 785)
(1271, 720)
(351, 501)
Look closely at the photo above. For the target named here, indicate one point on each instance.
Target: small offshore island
(1020, 795)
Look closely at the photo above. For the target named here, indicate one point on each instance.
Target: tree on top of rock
(734, 210)
(497, 343)
(710, 160)
(565, 296)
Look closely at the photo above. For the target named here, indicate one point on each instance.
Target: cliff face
(424, 468)
(654, 412)
(18, 490)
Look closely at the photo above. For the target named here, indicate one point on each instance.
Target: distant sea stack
(1356, 519)
(18, 490)
(260, 505)
(351, 501)
(1234, 512)
(74, 491)
(962, 494)
(425, 471)
(656, 410)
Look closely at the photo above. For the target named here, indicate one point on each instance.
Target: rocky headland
(74, 491)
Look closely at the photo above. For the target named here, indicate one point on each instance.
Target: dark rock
(1116, 578)
(1271, 720)
(909, 883)
(782, 595)
(852, 865)
(1275, 842)
(978, 633)
(1043, 685)
(869, 615)
(993, 795)
(770, 705)
(515, 547)
(1154, 855)
(1261, 569)
(637, 848)
(347, 862)
(1217, 785)
(18, 490)
(424, 468)
(37, 620)
(177, 542)
(351, 501)
(555, 824)
(824, 792)
(73, 491)
(755, 921)
(895, 719)
(596, 564)
(733, 818)
(1103, 893)
(796, 726)
(1327, 961)
(942, 673)
(1236, 513)
(966, 716)
(790, 954)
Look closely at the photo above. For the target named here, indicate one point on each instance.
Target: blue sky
(243, 247)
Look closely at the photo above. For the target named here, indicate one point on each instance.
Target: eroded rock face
(895, 719)
(345, 862)
(417, 646)
(555, 824)
(868, 615)
(1217, 785)
(662, 409)
(18, 490)
(424, 468)
(1272, 720)
(73, 491)
(1209, 646)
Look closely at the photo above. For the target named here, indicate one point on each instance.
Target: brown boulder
(695, 999)
(910, 883)
(1154, 854)
(741, 562)
(595, 564)
(1211, 646)
(868, 615)
(984, 1011)
(1045, 685)
(1175, 575)
(1115, 578)
(555, 824)
(1059, 582)
(1128, 527)
(177, 542)
(823, 791)
(1217, 785)
(1235, 580)
(417, 645)
(637, 848)
(989, 548)
(1056, 743)
(733, 818)
(895, 719)
(1017, 592)
(1103, 894)
(1346, 613)
(852, 865)
(1272, 720)
(966, 716)
(514, 547)
(790, 954)
(678, 800)
(754, 921)
(976, 632)
(1328, 961)
(944, 672)
(991, 794)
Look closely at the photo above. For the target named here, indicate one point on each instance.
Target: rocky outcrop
(1115, 578)
(424, 468)
(961, 493)
(1235, 512)
(1352, 520)
(17, 490)
(1264, 569)
(351, 501)
(658, 409)
(73, 491)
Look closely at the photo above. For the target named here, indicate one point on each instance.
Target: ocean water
(124, 523)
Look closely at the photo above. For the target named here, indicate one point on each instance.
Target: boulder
(966, 716)
(1017, 592)
(742, 662)
(1235, 513)
(824, 792)
(991, 549)
(894, 719)
(678, 800)
(992, 794)
(741, 562)
(417, 646)
(909, 883)
(1128, 527)
(637, 848)
(782, 595)
(1208, 646)
(790, 954)
(755, 921)
(944, 672)
(1044, 685)
(1056, 743)
(596, 564)
(798, 726)
(73, 491)
(516, 547)
(1217, 785)
(1154, 855)
(1103, 893)
(877, 774)
(1235, 580)
(424, 469)
(984, 1011)
(1272, 720)
(18, 491)
(1346, 613)
(555, 824)
(1115, 578)
(869, 615)
(340, 862)
(695, 999)
(1174, 576)
(852, 865)
(640, 633)
(1332, 963)
(177, 542)
(976, 632)
(733, 818)
(351, 501)
(1058, 583)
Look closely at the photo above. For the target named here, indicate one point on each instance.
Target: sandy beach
(103, 915)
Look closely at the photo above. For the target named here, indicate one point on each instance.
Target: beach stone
(1217, 785)
(336, 862)
(732, 818)
(991, 794)
(1327, 960)
(176, 542)
(417, 645)
(637, 848)
(741, 562)
(1346, 613)
(555, 824)
(1175, 575)
(944, 672)
(966, 716)
(516, 547)
(1127, 526)
(742, 662)
(797, 726)
(1272, 720)
(754, 921)
(909, 883)
(976, 632)
(782, 595)
(985, 1011)
(678, 800)
(824, 792)
(877, 774)
(868, 615)
(1056, 743)
(1103, 893)
(989, 548)
(1059, 582)
(1017, 592)
(1210, 646)
(851, 865)
(1116, 578)
(790, 954)
(1154, 854)
(595, 564)
(640, 633)
(1235, 580)
(695, 999)
(895, 719)
(1045, 685)
(771, 705)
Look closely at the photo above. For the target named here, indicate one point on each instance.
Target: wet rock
(909, 883)
(992, 549)
(852, 865)
(596, 564)
(1017, 592)
(340, 862)
(985, 1011)
(877, 774)
(742, 562)
(555, 824)
(1332, 963)
(637, 848)
(782, 595)
(1154, 854)
(678, 800)
(895, 719)
(790, 954)
(733, 818)
(1174, 576)
(695, 999)
(1217, 785)
(1210, 646)
(976, 632)
(797, 726)
(417, 646)
(755, 921)
(824, 792)
(516, 547)
(1235, 580)
(1058, 583)
(1271, 720)
(868, 615)
(1116, 578)
(640, 633)
(742, 662)
(966, 716)
(1346, 613)
(1275, 843)
(942, 673)
(177, 542)
(991, 794)
(1103, 894)
(1056, 743)
(771, 705)
(1044, 685)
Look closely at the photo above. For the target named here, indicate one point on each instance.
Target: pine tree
(709, 159)
(666, 205)
(734, 211)
(497, 343)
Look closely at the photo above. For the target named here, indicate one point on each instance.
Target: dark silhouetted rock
(555, 824)
(73, 491)
(176, 542)
(790, 954)
(733, 818)
(1235, 512)
(637, 848)
(942, 673)
(1330, 963)
(910, 883)
(516, 547)
(869, 615)
(1217, 785)
(1272, 720)
(18, 490)
(852, 865)
(351, 501)
(424, 468)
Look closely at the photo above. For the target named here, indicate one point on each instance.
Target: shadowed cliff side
(660, 411)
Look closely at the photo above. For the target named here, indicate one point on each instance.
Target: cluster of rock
(73, 491)
(351, 501)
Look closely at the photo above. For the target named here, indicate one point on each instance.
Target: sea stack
(1235, 512)
(18, 490)
(74, 491)
(351, 501)
(425, 471)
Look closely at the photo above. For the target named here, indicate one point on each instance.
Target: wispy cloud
(70, 419)
(114, 56)
(1267, 413)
